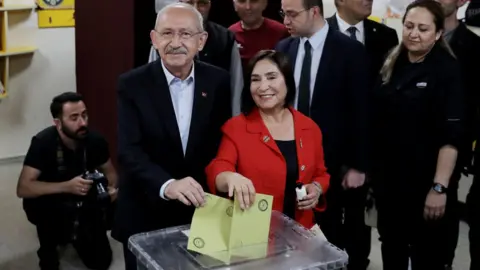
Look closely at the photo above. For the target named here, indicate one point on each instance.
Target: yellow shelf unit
(6, 50)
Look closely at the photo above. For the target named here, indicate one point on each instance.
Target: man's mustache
(179, 50)
(82, 129)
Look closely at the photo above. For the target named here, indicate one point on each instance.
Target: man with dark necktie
(352, 20)
(332, 87)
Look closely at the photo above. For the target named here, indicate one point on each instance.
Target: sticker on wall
(53, 3)
(56, 13)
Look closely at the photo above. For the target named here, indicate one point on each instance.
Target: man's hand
(186, 190)
(353, 179)
(113, 193)
(78, 186)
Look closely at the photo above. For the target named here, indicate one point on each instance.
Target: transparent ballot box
(290, 246)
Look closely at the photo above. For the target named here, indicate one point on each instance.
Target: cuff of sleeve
(162, 189)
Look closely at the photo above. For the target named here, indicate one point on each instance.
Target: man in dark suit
(352, 20)
(465, 45)
(170, 114)
(332, 81)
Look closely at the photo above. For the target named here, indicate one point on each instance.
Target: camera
(99, 190)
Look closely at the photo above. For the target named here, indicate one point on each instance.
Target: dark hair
(433, 7)
(308, 4)
(283, 64)
(436, 10)
(56, 107)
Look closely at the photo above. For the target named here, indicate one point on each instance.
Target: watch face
(438, 188)
(53, 3)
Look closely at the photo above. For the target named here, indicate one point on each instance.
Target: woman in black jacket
(417, 129)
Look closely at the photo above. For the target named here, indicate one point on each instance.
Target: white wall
(34, 80)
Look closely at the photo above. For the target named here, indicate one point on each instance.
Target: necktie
(304, 86)
(352, 30)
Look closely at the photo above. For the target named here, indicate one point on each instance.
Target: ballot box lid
(290, 246)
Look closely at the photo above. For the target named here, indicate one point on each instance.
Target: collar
(318, 38)
(170, 77)
(343, 25)
(255, 122)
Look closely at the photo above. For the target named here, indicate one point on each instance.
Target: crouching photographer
(68, 184)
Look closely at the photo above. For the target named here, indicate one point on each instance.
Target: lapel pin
(301, 144)
(374, 29)
(266, 138)
(204, 94)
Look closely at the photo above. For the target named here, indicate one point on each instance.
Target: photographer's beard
(77, 135)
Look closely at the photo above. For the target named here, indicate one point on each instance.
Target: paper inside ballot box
(221, 226)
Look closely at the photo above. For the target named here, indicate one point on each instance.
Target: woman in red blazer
(271, 148)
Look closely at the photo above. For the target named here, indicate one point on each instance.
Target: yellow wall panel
(49, 18)
(61, 4)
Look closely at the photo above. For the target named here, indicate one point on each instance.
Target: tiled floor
(18, 243)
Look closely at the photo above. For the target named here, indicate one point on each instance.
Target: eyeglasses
(182, 35)
(291, 14)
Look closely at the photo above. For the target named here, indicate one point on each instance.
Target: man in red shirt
(254, 32)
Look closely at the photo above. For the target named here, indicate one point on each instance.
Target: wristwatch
(439, 188)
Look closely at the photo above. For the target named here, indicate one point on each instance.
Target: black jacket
(218, 49)
(379, 40)
(466, 46)
(149, 145)
(416, 113)
(339, 101)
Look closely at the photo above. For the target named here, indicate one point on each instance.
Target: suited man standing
(170, 113)
(332, 87)
(352, 20)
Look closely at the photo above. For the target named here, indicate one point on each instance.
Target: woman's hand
(435, 205)
(243, 189)
(311, 200)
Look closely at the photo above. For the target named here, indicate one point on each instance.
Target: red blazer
(248, 148)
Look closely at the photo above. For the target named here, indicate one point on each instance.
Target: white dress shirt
(343, 26)
(182, 93)
(317, 41)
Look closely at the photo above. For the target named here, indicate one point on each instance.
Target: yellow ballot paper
(210, 228)
(222, 230)
(251, 226)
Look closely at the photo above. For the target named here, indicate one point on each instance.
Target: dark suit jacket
(339, 102)
(466, 46)
(379, 40)
(150, 150)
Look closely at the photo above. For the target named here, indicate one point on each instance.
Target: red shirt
(263, 38)
(248, 148)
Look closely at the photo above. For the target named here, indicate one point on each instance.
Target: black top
(289, 152)
(419, 111)
(43, 155)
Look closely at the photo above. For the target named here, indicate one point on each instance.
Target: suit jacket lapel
(202, 105)
(162, 101)
(325, 63)
(370, 35)
(292, 52)
(333, 23)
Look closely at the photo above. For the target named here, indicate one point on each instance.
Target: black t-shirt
(57, 163)
(47, 151)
